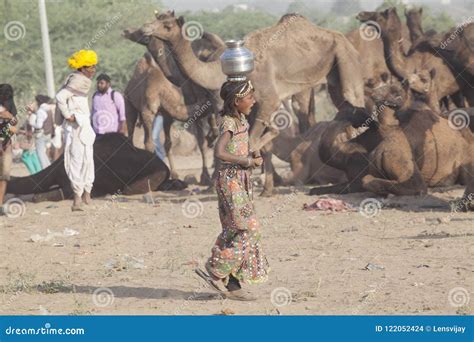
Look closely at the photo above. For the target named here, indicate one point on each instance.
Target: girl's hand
(257, 161)
(13, 129)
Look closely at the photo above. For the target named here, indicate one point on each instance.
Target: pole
(48, 64)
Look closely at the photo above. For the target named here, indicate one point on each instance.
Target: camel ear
(433, 73)
(180, 21)
(385, 13)
(420, 10)
(172, 13)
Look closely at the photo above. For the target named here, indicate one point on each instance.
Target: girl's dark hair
(6, 98)
(40, 99)
(228, 91)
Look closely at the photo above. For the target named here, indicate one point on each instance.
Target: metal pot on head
(237, 61)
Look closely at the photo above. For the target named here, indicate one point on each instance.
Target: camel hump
(289, 17)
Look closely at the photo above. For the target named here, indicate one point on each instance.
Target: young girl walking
(237, 255)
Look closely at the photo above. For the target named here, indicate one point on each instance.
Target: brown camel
(414, 16)
(143, 98)
(456, 48)
(367, 41)
(149, 91)
(391, 166)
(443, 155)
(284, 66)
(403, 66)
(301, 152)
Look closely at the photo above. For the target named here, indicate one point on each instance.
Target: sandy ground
(124, 256)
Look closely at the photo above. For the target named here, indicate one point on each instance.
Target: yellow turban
(82, 58)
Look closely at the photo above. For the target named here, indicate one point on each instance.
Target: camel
(145, 95)
(368, 43)
(391, 165)
(119, 168)
(301, 152)
(413, 17)
(283, 66)
(443, 155)
(455, 47)
(403, 67)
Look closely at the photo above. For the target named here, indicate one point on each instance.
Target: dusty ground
(139, 258)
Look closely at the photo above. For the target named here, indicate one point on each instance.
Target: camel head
(389, 94)
(414, 15)
(166, 27)
(387, 21)
(421, 83)
(136, 36)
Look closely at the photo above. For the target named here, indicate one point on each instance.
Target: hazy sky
(456, 8)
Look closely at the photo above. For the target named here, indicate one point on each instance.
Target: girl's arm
(221, 153)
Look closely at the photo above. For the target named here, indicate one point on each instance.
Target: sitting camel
(443, 155)
(391, 165)
(119, 168)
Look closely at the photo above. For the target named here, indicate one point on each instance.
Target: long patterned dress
(237, 250)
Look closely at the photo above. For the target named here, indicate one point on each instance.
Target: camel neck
(394, 56)
(206, 74)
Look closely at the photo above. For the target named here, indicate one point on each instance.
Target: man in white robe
(79, 136)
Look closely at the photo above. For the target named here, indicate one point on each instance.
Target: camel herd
(398, 91)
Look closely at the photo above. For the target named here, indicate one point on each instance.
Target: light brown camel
(288, 60)
(149, 91)
(144, 82)
(368, 42)
(403, 66)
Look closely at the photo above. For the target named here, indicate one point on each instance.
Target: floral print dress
(237, 250)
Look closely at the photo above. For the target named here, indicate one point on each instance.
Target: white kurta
(79, 138)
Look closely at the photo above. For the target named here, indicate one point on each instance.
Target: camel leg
(269, 170)
(383, 186)
(131, 118)
(143, 185)
(55, 195)
(205, 178)
(213, 130)
(167, 127)
(148, 117)
(342, 188)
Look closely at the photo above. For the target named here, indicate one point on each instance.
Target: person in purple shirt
(108, 108)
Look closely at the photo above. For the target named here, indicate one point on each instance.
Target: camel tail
(350, 72)
(39, 182)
